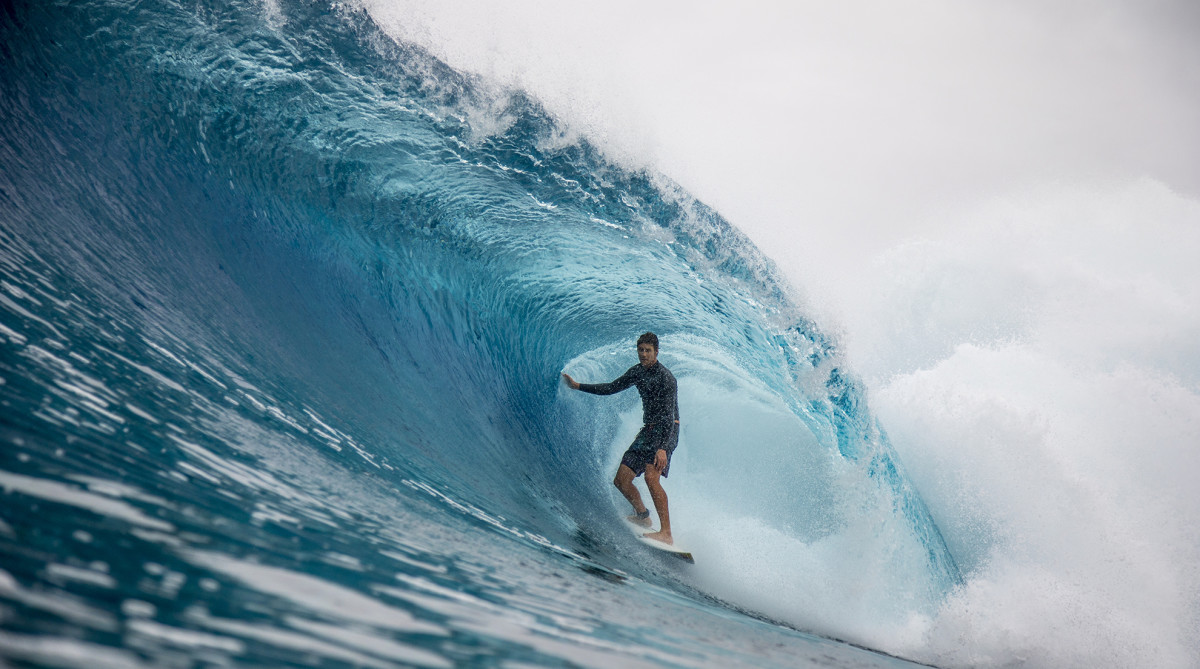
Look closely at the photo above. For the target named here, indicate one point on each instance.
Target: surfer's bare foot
(639, 520)
(664, 537)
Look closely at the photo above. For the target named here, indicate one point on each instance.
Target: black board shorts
(646, 444)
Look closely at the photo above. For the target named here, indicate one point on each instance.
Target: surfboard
(674, 550)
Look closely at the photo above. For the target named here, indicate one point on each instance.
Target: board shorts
(646, 445)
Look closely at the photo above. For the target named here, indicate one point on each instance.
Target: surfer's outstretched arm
(626, 380)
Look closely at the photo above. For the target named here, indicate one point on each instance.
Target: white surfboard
(671, 549)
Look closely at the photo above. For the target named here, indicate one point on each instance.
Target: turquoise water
(283, 309)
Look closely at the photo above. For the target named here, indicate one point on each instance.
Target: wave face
(284, 307)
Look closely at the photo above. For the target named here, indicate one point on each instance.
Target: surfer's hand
(660, 460)
(571, 383)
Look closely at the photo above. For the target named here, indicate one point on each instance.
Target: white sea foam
(1039, 374)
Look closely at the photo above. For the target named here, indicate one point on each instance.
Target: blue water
(283, 309)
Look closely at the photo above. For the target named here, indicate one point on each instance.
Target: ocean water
(283, 308)
(285, 292)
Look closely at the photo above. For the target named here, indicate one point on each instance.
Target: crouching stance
(650, 452)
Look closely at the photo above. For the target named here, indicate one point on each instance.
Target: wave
(277, 207)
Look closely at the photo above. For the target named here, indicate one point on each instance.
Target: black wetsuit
(660, 412)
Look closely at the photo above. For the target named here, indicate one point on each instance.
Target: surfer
(651, 450)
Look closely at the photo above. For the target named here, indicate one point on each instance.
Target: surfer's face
(647, 354)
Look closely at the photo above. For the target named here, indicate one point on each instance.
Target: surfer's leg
(659, 497)
(624, 483)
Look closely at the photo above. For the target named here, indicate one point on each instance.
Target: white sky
(832, 131)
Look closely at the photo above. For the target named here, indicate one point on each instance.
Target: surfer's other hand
(660, 460)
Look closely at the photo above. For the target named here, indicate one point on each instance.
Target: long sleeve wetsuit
(660, 403)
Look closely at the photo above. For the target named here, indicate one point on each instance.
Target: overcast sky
(831, 131)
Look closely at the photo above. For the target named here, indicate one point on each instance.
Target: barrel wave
(284, 309)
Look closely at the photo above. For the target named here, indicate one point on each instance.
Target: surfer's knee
(623, 477)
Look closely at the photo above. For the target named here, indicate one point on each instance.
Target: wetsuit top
(656, 385)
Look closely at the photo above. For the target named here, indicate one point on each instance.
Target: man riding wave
(650, 452)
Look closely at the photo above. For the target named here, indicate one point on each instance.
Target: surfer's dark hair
(649, 338)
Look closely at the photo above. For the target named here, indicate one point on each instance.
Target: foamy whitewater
(287, 287)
